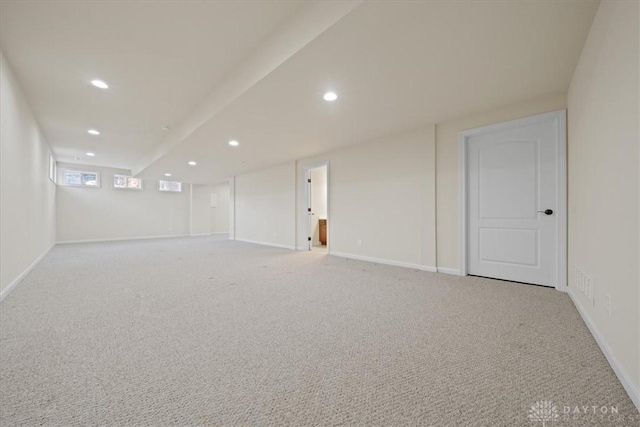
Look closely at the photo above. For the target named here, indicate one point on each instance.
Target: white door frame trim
(307, 175)
(560, 118)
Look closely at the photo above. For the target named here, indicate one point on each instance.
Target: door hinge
(309, 180)
(308, 209)
(309, 238)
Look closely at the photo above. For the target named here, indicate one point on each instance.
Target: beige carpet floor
(197, 331)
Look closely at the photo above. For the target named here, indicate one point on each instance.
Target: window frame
(160, 181)
(53, 169)
(127, 180)
(64, 178)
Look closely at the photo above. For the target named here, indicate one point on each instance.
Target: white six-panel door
(513, 200)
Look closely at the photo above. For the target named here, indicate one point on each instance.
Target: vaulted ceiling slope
(159, 58)
(394, 65)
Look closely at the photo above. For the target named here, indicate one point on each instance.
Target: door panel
(511, 175)
(510, 246)
(508, 169)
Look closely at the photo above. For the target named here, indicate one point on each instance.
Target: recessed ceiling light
(165, 128)
(100, 84)
(76, 158)
(330, 96)
(91, 154)
(167, 174)
(234, 143)
(93, 132)
(192, 163)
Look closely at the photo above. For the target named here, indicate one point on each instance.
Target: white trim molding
(631, 389)
(306, 169)
(560, 118)
(452, 271)
(275, 245)
(385, 261)
(119, 239)
(22, 275)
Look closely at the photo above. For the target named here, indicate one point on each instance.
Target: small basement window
(82, 179)
(127, 182)
(171, 186)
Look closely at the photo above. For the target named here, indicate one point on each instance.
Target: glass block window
(82, 179)
(171, 186)
(127, 182)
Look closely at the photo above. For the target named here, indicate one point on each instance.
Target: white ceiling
(159, 58)
(394, 65)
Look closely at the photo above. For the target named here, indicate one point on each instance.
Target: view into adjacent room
(318, 207)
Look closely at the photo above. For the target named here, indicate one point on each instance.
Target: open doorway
(317, 207)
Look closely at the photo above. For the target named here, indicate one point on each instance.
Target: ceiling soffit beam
(306, 25)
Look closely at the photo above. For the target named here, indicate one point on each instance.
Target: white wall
(200, 209)
(382, 194)
(27, 196)
(318, 201)
(220, 214)
(265, 206)
(604, 135)
(109, 213)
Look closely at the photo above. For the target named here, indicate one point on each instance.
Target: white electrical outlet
(607, 304)
(359, 242)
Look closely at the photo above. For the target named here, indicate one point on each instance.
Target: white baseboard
(200, 234)
(220, 232)
(453, 271)
(119, 239)
(275, 245)
(631, 389)
(22, 275)
(384, 261)
(306, 248)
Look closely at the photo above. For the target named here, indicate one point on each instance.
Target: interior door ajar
(513, 201)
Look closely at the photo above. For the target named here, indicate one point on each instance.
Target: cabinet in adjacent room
(322, 224)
